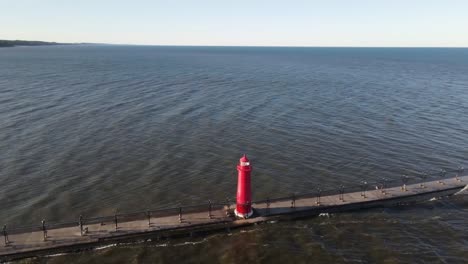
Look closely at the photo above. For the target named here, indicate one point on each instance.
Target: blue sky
(239, 23)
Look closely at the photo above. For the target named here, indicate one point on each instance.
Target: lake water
(94, 129)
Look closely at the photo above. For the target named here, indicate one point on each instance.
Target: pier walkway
(90, 233)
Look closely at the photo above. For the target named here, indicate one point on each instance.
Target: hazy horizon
(234, 46)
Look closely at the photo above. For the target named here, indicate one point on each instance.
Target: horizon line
(275, 46)
(239, 46)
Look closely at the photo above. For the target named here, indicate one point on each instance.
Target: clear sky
(239, 22)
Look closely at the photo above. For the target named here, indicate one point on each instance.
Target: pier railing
(380, 184)
(317, 192)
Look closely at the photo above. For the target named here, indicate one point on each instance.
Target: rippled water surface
(93, 129)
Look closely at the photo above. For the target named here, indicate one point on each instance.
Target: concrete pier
(72, 238)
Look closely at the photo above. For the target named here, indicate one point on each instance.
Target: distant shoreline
(15, 43)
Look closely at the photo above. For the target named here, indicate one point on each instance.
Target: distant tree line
(12, 43)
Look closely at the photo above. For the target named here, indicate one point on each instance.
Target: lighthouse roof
(244, 159)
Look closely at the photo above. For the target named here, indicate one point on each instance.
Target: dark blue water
(93, 129)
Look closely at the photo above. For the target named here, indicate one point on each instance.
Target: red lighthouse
(244, 195)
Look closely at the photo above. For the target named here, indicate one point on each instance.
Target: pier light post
(80, 223)
(5, 235)
(268, 204)
(115, 221)
(364, 189)
(459, 172)
(244, 195)
(342, 193)
(209, 209)
(44, 230)
(404, 179)
(228, 206)
(180, 214)
(319, 194)
(148, 214)
(422, 176)
(384, 186)
(442, 175)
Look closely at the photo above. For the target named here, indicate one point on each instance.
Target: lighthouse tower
(244, 194)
